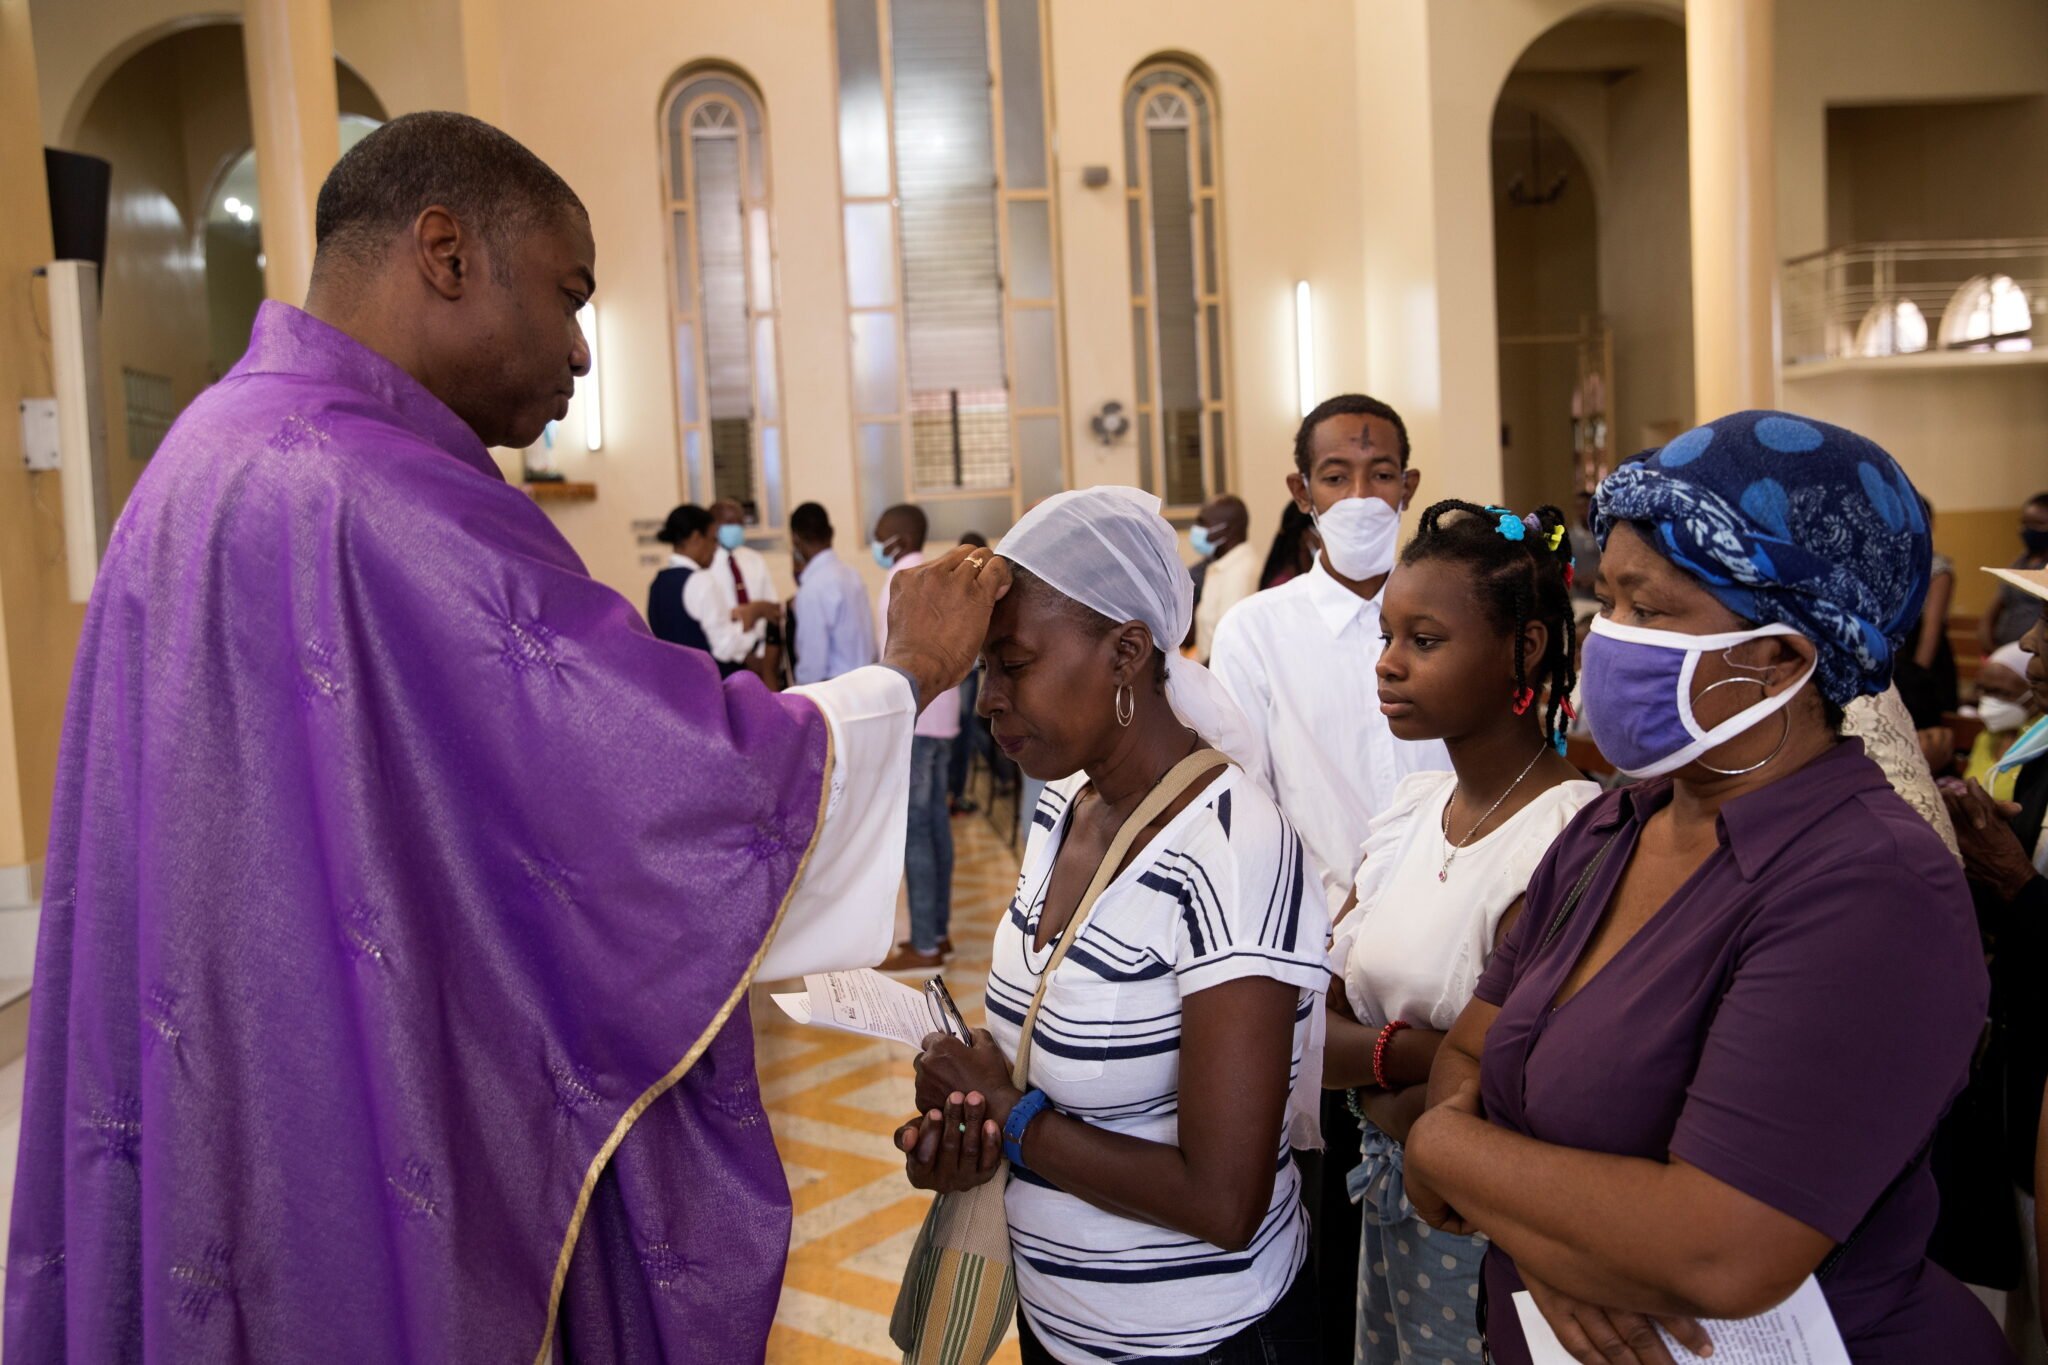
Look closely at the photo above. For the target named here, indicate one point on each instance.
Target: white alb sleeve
(843, 912)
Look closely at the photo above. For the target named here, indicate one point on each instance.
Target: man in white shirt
(734, 600)
(928, 850)
(1232, 571)
(1299, 658)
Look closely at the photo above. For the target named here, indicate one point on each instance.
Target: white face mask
(1360, 536)
(2001, 716)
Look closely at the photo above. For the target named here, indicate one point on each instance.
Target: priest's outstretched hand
(938, 617)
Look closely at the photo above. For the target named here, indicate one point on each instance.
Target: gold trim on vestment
(660, 1087)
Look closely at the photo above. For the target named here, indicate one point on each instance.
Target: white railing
(1903, 298)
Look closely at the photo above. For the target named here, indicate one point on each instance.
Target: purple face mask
(1637, 686)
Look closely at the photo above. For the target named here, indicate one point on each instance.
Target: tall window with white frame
(722, 296)
(1179, 323)
(951, 258)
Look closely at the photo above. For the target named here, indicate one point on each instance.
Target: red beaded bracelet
(1379, 1053)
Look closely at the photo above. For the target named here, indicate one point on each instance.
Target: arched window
(1989, 313)
(1178, 324)
(722, 297)
(1895, 328)
(945, 165)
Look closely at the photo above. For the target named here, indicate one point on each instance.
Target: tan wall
(1927, 172)
(38, 624)
(1850, 52)
(1546, 279)
(1646, 245)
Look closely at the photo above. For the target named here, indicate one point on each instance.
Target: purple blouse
(1793, 1021)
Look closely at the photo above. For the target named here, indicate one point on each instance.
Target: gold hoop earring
(1126, 705)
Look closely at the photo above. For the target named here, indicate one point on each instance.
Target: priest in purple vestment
(404, 892)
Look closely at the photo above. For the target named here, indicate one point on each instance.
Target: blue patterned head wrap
(1788, 520)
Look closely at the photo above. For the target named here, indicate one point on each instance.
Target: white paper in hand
(863, 1002)
(1799, 1331)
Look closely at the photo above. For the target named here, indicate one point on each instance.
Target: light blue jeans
(928, 852)
(1418, 1287)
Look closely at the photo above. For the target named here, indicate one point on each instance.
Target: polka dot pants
(1418, 1288)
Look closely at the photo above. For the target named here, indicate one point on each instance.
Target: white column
(1728, 67)
(294, 109)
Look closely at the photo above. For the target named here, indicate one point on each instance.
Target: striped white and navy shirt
(1220, 893)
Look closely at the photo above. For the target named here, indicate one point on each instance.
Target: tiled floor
(833, 1101)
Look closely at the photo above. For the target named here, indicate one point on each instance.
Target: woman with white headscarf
(1153, 1211)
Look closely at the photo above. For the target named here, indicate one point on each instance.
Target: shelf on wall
(561, 491)
(1919, 362)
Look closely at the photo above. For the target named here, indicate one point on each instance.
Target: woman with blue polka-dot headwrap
(1789, 521)
(1704, 1067)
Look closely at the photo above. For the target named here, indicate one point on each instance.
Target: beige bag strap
(1177, 780)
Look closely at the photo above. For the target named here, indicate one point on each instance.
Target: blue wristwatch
(1030, 1107)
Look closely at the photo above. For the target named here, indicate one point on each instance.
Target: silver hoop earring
(1783, 739)
(1126, 705)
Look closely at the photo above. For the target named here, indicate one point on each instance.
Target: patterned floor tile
(834, 1101)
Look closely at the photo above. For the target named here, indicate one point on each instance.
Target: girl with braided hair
(1479, 653)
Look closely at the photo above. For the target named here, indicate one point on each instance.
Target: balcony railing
(1905, 298)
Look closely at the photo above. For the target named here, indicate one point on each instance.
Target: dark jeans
(928, 852)
(974, 739)
(1285, 1336)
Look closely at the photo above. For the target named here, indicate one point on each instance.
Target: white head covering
(2010, 657)
(1110, 550)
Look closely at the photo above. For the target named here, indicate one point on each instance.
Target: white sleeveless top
(1413, 947)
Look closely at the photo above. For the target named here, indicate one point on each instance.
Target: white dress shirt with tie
(1299, 660)
(710, 597)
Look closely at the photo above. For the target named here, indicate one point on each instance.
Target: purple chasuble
(402, 894)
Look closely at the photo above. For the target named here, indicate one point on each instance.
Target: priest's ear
(446, 254)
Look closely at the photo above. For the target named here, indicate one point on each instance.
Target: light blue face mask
(1198, 536)
(880, 551)
(2026, 748)
(732, 535)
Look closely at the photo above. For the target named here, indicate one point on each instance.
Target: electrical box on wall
(39, 439)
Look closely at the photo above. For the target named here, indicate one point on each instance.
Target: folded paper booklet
(874, 1006)
(1799, 1331)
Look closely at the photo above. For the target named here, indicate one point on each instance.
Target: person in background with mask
(1709, 1059)
(734, 600)
(1231, 567)
(928, 861)
(2013, 612)
(2007, 706)
(1300, 660)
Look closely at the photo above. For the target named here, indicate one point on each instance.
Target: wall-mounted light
(593, 390)
(1304, 347)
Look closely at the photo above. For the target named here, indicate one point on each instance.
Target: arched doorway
(173, 120)
(1592, 251)
(1554, 353)
(233, 247)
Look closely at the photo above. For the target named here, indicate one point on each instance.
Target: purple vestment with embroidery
(394, 865)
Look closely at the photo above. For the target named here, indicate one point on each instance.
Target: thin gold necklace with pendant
(1451, 850)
